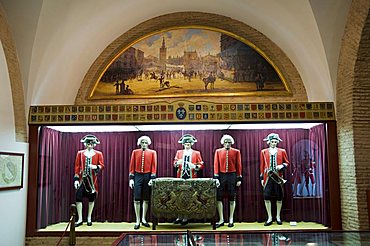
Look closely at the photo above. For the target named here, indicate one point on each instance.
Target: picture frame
(190, 62)
(11, 170)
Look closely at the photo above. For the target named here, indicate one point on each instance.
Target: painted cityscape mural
(188, 62)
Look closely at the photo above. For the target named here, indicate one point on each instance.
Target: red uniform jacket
(196, 159)
(308, 166)
(281, 158)
(148, 166)
(234, 162)
(80, 161)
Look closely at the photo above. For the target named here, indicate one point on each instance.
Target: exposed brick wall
(15, 78)
(353, 115)
(217, 22)
(361, 126)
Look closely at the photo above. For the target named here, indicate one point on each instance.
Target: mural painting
(188, 62)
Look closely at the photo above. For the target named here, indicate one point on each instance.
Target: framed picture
(190, 62)
(11, 170)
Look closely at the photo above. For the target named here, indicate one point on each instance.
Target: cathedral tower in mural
(163, 56)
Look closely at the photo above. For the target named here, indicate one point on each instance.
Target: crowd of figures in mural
(189, 60)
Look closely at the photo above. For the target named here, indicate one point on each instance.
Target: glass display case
(306, 188)
(307, 129)
(272, 238)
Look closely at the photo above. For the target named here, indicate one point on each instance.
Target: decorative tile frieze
(181, 111)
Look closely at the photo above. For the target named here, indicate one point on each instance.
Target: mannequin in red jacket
(188, 162)
(143, 169)
(88, 164)
(228, 174)
(308, 166)
(273, 161)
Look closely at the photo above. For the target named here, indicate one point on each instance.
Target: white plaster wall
(331, 15)
(13, 203)
(71, 34)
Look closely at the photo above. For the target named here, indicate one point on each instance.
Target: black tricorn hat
(187, 138)
(90, 138)
(272, 136)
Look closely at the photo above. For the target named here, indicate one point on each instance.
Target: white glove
(217, 183)
(179, 162)
(262, 182)
(93, 167)
(131, 183)
(192, 166)
(279, 167)
(76, 184)
(150, 182)
(238, 183)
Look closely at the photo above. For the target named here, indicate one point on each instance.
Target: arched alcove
(165, 22)
(353, 116)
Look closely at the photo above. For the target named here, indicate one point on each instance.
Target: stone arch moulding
(351, 96)
(269, 50)
(15, 79)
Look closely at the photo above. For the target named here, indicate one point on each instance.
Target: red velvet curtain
(114, 203)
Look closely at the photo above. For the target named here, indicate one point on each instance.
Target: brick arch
(270, 49)
(353, 115)
(15, 79)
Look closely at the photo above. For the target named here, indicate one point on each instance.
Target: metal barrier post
(72, 232)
